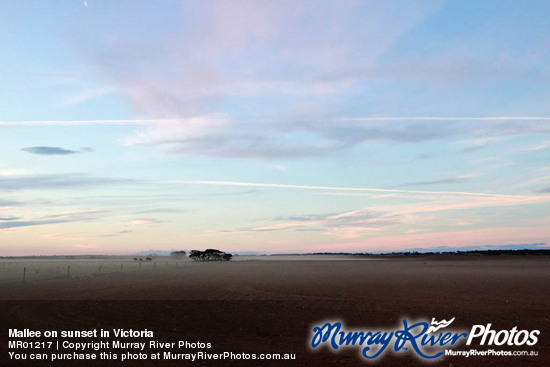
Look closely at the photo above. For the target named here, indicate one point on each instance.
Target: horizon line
(420, 250)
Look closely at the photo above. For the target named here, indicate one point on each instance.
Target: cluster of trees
(210, 255)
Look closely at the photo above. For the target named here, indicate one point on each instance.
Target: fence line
(12, 271)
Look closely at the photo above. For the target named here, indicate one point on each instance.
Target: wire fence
(35, 270)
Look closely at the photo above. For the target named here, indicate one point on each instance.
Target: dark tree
(196, 255)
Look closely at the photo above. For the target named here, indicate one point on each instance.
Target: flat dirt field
(272, 306)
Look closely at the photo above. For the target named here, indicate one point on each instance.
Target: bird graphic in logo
(439, 325)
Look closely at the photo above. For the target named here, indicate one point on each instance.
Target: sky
(273, 126)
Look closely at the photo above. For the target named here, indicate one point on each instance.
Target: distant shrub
(227, 256)
(178, 254)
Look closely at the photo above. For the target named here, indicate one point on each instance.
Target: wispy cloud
(183, 73)
(49, 151)
(17, 224)
(342, 223)
(9, 203)
(459, 239)
(275, 139)
(541, 146)
(77, 215)
(277, 167)
(55, 181)
(219, 135)
(63, 236)
(474, 144)
(7, 171)
(454, 179)
(269, 58)
(363, 222)
(87, 246)
(448, 203)
(140, 222)
(86, 95)
(161, 210)
(116, 234)
(66, 217)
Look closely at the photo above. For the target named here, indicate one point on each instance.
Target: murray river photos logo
(426, 341)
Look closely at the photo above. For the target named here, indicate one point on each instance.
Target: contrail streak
(307, 187)
(428, 118)
(86, 122)
(358, 119)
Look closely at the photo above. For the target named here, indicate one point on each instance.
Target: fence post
(68, 271)
(24, 272)
(154, 265)
(99, 269)
(120, 266)
(140, 265)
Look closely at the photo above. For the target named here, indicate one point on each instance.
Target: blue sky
(273, 126)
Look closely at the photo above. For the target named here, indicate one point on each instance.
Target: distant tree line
(521, 252)
(210, 255)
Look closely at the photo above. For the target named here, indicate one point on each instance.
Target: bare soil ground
(271, 306)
